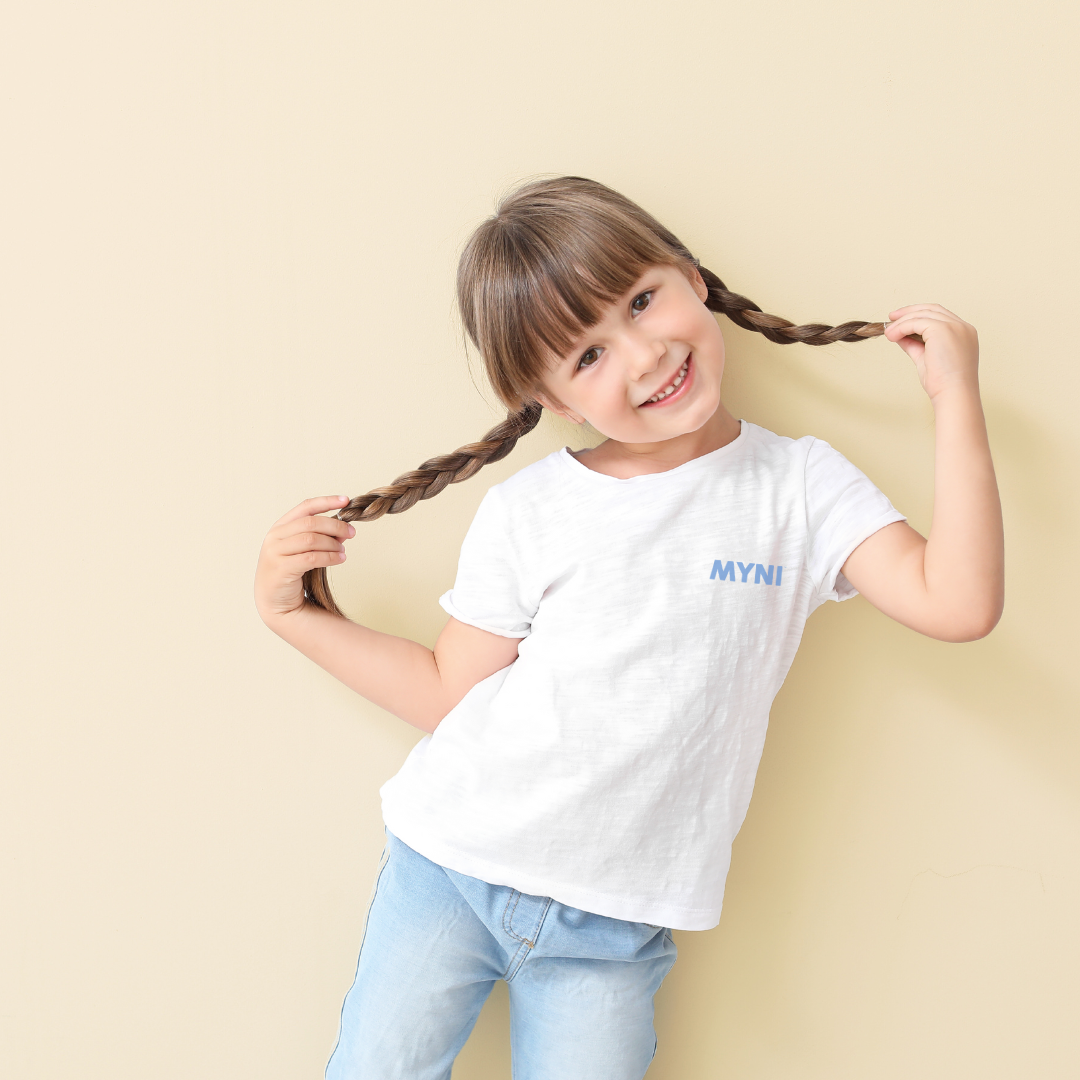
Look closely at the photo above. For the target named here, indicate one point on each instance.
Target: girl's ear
(698, 282)
(559, 409)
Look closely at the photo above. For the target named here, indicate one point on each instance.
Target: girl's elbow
(429, 714)
(993, 613)
(973, 624)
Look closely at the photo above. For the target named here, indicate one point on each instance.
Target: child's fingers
(915, 323)
(319, 505)
(296, 566)
(923, 313)
(330, 526)
(296, 543)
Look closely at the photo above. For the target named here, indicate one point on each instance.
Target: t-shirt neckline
(687, 466)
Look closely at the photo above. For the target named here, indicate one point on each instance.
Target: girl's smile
(679, 385)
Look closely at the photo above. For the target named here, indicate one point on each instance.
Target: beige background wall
(228, 239)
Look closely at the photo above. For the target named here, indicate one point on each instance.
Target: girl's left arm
(950, 585)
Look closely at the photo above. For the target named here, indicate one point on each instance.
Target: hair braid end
(433, 476)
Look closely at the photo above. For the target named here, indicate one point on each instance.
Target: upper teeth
(674, 385)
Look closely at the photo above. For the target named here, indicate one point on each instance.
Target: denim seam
(508, 919)
(384, 858)
(507, 925)
(528, 945)
(515, 962)
(540, 923)
(508, 916)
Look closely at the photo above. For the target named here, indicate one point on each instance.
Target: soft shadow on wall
(871, 873)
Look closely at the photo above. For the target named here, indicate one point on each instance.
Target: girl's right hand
(298, 542)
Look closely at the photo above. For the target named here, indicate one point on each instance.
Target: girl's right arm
(418, 684)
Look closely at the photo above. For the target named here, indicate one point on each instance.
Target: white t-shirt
(611, 765)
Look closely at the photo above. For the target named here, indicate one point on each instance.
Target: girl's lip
(679, 390)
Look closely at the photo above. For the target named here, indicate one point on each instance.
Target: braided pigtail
(749, 316)
(425, 483)
(549, 263)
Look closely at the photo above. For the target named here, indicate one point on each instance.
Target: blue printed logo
(763, 575)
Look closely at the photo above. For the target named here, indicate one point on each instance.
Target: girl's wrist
(277, 616)
(958, 386)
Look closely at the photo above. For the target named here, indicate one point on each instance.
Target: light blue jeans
(581, 985)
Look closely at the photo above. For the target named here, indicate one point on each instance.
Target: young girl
(621, 621)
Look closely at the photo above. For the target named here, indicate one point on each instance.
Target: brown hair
(531, 279)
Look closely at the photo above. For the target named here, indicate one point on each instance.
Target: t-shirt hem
(613, 907)
(448, 606)
(864, 534)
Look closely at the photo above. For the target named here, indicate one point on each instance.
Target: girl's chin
(650, 434)
(685, 417)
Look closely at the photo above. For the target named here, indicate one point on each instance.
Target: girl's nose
(644, 355)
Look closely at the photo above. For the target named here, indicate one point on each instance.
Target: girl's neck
(626, 460)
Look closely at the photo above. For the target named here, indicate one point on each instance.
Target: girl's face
(650, 370)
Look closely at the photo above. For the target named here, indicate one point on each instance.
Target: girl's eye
(588, 358)
(640, 303)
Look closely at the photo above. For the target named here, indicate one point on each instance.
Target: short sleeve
(843, 508)
(489, 592)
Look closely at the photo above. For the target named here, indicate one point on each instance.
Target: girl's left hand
(944, 347)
